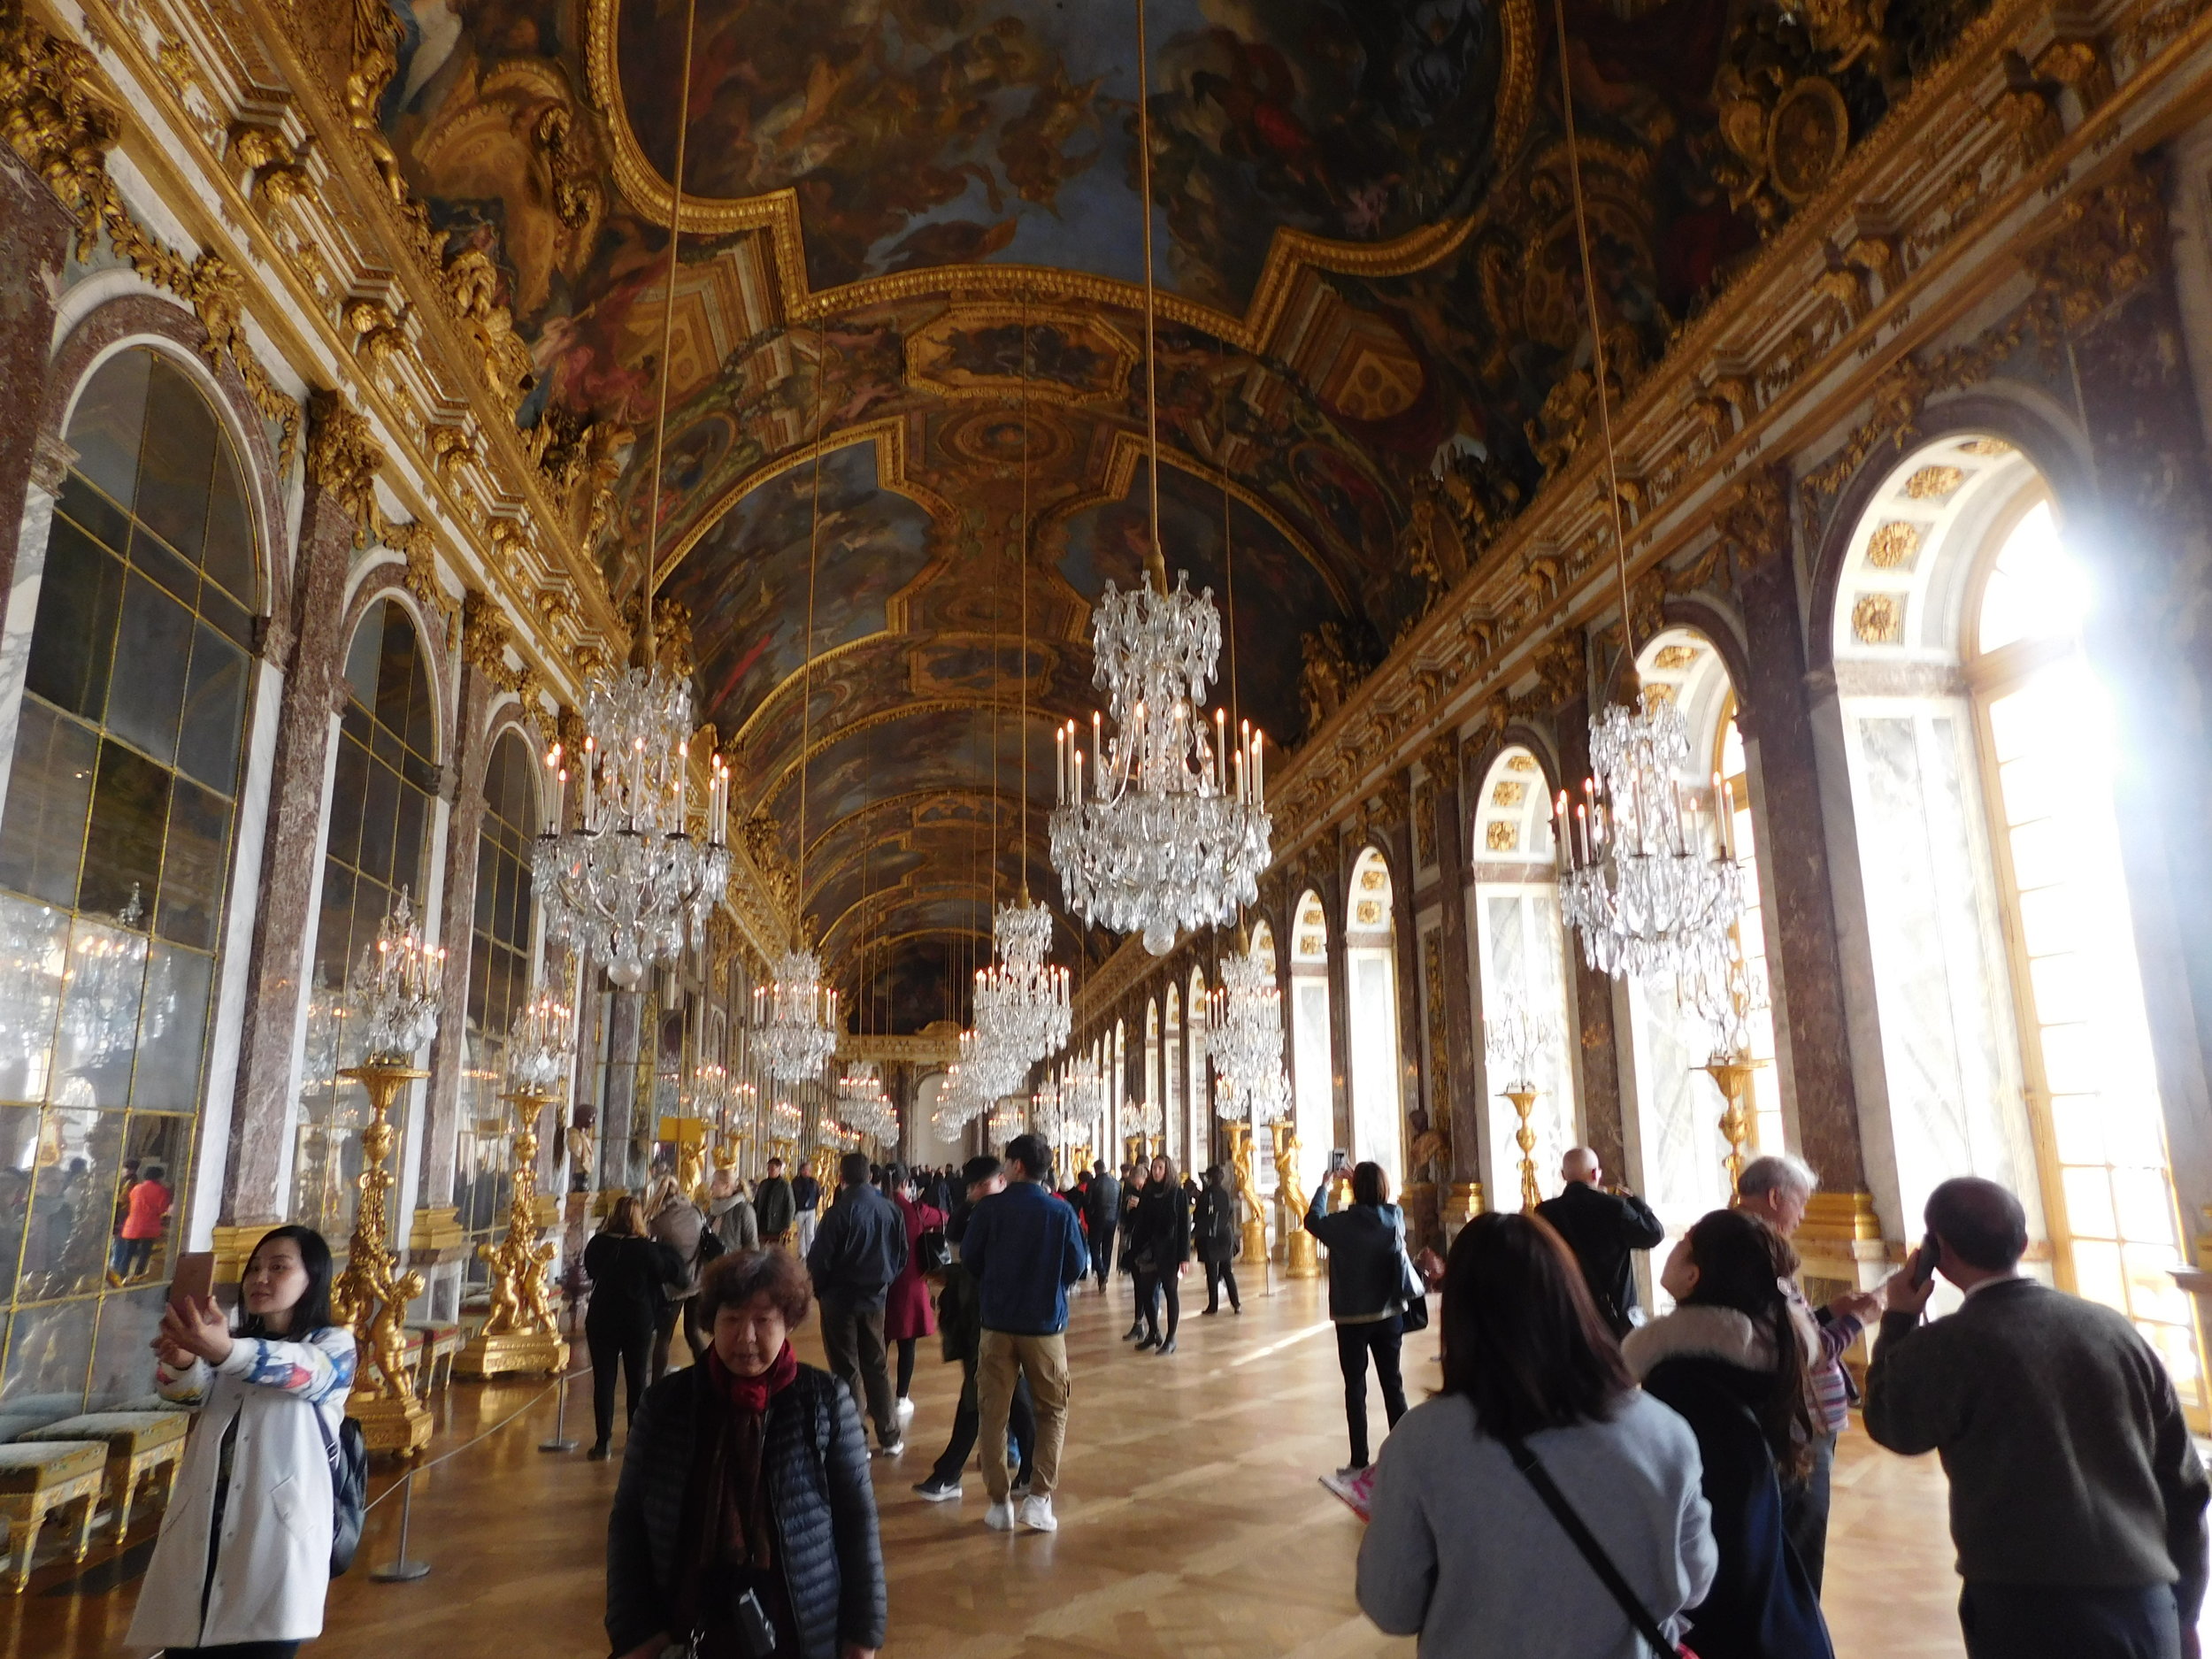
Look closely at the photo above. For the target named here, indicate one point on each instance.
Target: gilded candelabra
(371, 1296)
(1242, 1158)
(1525, 1098)
(1731, 1075)
(522, 1333)
(1301, 1259)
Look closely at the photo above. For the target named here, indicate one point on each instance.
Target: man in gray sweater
(2077, 1503)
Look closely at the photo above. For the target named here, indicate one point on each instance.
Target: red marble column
(306, 641)
(34, 235)
(1462, 1110)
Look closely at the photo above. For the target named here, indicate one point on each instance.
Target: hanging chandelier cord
(1021, 575)
(1229, 578)
(651, 577)
(1597, 339)
(1154, 558)
(806, 649)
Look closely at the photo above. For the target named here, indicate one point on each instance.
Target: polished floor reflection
(1192, 1524)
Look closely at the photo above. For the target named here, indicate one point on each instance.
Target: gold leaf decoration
(1502, 835)
(1934, 483)
(1894, 546)
(1878, 619)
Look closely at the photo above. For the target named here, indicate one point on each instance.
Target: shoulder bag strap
(1593, 1552)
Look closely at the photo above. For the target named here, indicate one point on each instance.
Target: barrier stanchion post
(402, 1569)
(560, 1442)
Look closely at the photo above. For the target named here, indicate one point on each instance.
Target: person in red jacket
(907, 1315)
(145, 1216)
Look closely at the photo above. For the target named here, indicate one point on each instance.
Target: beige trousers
(1003, 1357)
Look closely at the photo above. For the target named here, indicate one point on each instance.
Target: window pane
(176, 1030)
(412, 839)
(178, 462)
(33, 954)
(99, 1013)
(72, 639)
(110, 418)
(18, 1153)
(49, 794)
(130, 806)
(214, 712)
(155, 642)
(2097, 1273)
(192, 875)
(349, 793)
(50, 1355)
(2089, 1204)
(2077, 1125)
(72, 1201)
(229, 557)
(379, 822)
(101, 518)
(122, 1359)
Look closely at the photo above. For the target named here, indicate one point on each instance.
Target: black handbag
(1413, 1291)
(932, 1253)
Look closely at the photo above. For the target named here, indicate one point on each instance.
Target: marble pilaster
(626, 1038)
(1462, 1110)
(34, 233)
(307, 638)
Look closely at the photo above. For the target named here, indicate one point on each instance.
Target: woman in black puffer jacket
(745, 1492)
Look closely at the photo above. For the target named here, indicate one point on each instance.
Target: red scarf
(753, 1393)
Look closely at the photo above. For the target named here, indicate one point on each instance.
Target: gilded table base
(539, 1353)
(1301, 1260)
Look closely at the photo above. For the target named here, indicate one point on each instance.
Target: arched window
(499, 983)
(1522, 962)
(1370, 969)
(382, 804)
(115, 859)
(1998, 917)
(1198, 1112)
(1313, 1045)
(1174, 1102)
(1152, 1093)
(1677, 1152)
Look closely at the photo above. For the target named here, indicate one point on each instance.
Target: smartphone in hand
(1923, 1266)
(195, 1281)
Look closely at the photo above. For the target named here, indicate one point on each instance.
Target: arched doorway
(1521, 963)
(1371, 968)
(1981, 749)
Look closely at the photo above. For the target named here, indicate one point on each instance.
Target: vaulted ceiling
(906, 388)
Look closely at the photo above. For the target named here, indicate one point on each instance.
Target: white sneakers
(1036, 1515)
(906, 1411)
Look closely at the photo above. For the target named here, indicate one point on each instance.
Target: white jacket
(273, 1564)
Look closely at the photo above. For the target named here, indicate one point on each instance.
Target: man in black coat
(859, 1249)
(1104, 1215)
(1602, 1228)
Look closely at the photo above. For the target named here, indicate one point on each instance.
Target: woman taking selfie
(744, 1525)
(243, 1558)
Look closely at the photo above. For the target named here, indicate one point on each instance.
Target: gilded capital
(342, 456)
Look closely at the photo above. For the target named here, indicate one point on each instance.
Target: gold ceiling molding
(1945, 161)
(1290, 252)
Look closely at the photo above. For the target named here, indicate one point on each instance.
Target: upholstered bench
(434, 1342)
(139, 1443)
(40, 1478)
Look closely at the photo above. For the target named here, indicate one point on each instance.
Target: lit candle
(1582, 825)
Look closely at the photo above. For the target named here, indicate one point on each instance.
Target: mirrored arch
(1370, 971)
(1313, 1081)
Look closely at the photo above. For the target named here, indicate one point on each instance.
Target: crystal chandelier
(794, 1030)
(862, 1103)
(1635, 880)
(398, 984)
(1244, 1040)
(1140, 1118)
(785, 1121)
(539, 1043)
(1725, 994)
(630, 885)
(1162, 826)
(1518, 1040)
(1021, 999)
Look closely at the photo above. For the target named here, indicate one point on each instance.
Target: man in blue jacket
(859, 1250)
(1024, 1247)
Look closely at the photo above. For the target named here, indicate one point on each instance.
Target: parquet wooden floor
(1192, 1524)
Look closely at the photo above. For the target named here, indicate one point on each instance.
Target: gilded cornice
(1800, 339)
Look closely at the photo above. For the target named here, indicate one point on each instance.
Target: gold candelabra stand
(1080, 1156)
(1301, 1259)
(522, 1333)
(1523, 1099)
(691, 1170)
(1133, 1149)
(371, 1296)
(1731, 1076)
(1242, 1156)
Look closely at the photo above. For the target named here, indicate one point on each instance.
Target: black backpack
(349, 1491)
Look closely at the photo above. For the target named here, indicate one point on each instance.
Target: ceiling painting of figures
(910, 237)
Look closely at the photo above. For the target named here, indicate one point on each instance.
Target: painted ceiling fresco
(911, 236)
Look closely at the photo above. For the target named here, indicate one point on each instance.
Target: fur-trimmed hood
(1702, 1332)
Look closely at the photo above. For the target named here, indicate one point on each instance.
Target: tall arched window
(1371, 966)
(1676, 1148)
(115, 858)
(1999, 920)
(1199, 1111)
(499, 983)
(1173, 1101)
(1263, 952)
(1313, 1062)
(1522, 969)
(1152, 1093)
(382, 805)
